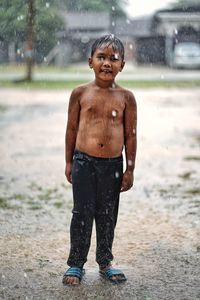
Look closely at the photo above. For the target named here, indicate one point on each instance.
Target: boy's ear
(90, 62)
(122, 65)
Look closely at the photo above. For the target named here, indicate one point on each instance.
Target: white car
(186, 55)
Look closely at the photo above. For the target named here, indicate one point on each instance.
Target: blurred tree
(47, 22)
(115, 7)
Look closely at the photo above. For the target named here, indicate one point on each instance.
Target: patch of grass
(47, 194)
(4, 203)
(36, 207)
(186, 175)
(20, 197)
(196, 158)
(70, 84)
(194, 191)
(58, 204)
(35, 187)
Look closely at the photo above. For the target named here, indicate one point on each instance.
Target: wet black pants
(96, 188)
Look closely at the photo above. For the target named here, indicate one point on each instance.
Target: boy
(102, 119)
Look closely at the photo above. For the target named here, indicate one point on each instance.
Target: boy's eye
(100, 57)
(114, 57)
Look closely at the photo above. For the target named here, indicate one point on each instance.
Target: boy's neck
(104, 84)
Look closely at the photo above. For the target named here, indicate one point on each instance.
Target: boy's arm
(130, 141)
(71, 131)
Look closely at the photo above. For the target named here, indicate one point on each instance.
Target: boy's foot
(112, 274)
(73, 276)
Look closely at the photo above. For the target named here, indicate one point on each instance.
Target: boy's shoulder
(81, 88)
(128, 94)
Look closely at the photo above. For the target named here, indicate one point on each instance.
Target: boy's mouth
(106, 71)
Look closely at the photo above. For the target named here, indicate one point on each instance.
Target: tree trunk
(30, 37)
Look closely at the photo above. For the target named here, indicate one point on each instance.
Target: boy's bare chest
(111, 106)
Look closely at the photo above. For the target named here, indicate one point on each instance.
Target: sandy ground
(157, 241)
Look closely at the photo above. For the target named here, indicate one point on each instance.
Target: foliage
(12, 20)
(13, 23)
(114, 7)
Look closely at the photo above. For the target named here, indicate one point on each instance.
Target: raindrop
(25, 275)
(113, 8)
(114, 113)
(162, 76)
(113, 23)
(18, 51)
(45, 59)
(106, 211)
(176, 31)
(130, 46)
(47, 4)
(116, 56)
(19, 18)
(82, 223)
(113, 85)
(127, 21)
(116, 174)
(130, 163)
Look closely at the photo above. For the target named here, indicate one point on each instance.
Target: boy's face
(106, 62)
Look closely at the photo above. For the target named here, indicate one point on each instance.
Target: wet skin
(102, 118)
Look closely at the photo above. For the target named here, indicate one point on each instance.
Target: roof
(87, 20)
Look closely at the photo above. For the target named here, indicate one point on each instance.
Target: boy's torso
(101, 129)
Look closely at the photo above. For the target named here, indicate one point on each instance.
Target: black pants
(96, 188)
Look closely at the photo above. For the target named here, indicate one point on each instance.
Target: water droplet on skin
(113, 85)
(114, 113)
(116, 56)
(116, 174)
(130, 163)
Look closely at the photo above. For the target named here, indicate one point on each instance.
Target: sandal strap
(74, 272)
(111, 272)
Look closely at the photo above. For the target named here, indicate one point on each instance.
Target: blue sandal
(73, 272)
(110, 272)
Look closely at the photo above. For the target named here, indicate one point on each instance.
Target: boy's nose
(106, 62)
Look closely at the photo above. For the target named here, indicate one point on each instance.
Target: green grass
(193, 191)
(195, 158)
(68, 85)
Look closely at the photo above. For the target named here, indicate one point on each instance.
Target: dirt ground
(157, 241)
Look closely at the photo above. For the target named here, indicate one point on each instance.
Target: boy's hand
(68, 172)
(127, 181)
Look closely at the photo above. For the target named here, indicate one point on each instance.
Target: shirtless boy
(102, 119)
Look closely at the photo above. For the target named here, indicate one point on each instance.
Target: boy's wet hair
(106, 41)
